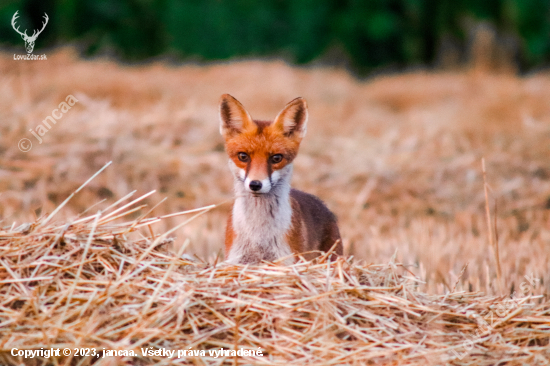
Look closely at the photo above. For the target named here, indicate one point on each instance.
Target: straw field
(449, 264)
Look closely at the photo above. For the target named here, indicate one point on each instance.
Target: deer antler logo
(29, 41)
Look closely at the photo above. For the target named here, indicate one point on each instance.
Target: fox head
(261, 152)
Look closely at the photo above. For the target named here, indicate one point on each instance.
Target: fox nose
(255, 185)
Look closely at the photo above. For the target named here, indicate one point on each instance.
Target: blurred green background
(363, 35)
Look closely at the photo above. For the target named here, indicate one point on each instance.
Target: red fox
(269, 220)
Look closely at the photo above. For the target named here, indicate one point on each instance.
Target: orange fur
(229, 234)
(268, 219)
(259, 143)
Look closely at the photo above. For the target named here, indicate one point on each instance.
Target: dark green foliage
(371, 34)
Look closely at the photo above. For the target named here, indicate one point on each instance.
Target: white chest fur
(261, 223)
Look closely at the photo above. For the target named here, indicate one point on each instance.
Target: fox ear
(293, 118)
(233, 117)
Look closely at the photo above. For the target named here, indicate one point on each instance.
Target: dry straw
(96, 283)
(395, 157)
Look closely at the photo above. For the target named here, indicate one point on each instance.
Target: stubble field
(396, 157)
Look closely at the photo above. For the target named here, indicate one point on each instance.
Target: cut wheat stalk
(99, 283)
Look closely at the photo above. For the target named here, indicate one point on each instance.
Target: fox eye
(243, 157)
(277, 158)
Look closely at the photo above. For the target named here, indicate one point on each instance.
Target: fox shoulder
(320, 224)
